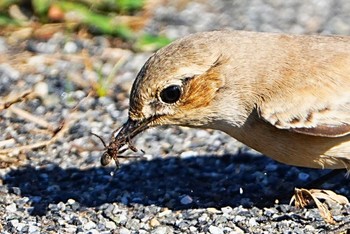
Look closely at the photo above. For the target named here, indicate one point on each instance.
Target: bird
(286, 96)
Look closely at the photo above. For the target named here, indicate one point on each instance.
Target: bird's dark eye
(171, 94)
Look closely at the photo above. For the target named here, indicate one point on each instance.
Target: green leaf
(5, 20)
(130, 5)
(99, 22)
(41, 7)
(149, 42)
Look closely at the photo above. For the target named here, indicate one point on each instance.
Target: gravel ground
(189, 181)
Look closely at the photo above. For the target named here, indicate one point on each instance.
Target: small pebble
(215, 230)
(70, 47)
(252, 222)
(41, 89)
(154, 222)
(185, 200)
(61, 206)
(162, 230)
(14, 222)
(89, 225)
(187, 154)
(124, 231)
(11, 208)
(110, 225)
(93, 231)
(303, 176)
(33, 229)
(16, 190)
(271, 167)
(70, 201)
(20, 226)
(226, 209)
(120, 219)
(213, 210)
(238, 218)
(164, 213)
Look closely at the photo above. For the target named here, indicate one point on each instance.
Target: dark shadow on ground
(211, 181)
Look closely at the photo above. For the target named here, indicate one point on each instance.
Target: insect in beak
(120, 138)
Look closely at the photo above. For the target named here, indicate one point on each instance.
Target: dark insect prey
(112, 151)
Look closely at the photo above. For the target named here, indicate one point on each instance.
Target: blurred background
(148, 24)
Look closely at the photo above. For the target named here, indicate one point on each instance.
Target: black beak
(130, 129)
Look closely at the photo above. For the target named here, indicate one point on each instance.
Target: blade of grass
(129, 5)
(5, 20)
(149, 42)
(103, 83)
(101, 23)
(41, 6)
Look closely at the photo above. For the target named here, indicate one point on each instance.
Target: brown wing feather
(313, 99)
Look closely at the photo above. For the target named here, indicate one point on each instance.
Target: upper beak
(129, 130)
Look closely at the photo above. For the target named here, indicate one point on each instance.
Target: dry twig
(16, 99)
(57, 132)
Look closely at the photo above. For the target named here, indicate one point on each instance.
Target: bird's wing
(319, 107)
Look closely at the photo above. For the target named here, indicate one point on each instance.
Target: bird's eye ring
(170, 94)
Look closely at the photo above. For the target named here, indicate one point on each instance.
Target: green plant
(104, 82)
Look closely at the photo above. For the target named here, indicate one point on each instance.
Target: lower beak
(129, 130)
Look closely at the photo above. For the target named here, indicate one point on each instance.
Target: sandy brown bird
(287, 96)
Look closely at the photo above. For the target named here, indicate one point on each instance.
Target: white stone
(111, 225)
(11, 208)
(124, 231)
(89, 225)
(215, 230)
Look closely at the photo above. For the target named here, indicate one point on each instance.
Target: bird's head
(179, 85)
